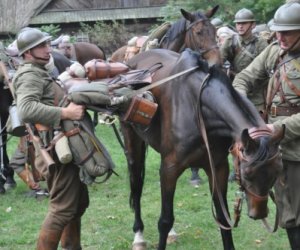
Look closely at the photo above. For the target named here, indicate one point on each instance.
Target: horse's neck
(230, 114)
(175, 45)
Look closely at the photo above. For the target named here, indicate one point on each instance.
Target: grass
(107, 224)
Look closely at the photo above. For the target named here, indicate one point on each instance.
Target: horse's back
(119, 54)
(87, 51)
(148, 59)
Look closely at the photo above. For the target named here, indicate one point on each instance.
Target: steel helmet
(287, 17)
(244, 16)
(29, 38)
(217, 22)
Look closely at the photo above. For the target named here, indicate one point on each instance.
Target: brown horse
(198, 113)
(193, 31)
(81, 51)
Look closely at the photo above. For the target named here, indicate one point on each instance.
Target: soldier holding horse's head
(280, 64)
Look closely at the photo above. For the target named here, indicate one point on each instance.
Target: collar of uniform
(247, 40)
(36, 65)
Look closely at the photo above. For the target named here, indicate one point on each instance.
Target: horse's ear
(278, 135)
(212, 11)
(187, 15)
(249, 144)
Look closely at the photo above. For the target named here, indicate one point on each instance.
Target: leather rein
(235, 150)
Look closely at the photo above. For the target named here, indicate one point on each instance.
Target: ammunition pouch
(140, 111)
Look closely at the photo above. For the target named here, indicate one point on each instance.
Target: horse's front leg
(221, 206)
(135, 150)
(168, 178)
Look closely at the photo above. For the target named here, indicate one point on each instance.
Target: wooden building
(16, 14)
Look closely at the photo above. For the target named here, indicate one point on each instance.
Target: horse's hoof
(139, 246)
(196, 182)
(171, 239)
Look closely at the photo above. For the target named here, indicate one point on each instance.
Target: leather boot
(70, 238)
(48, 239)
(2, 181)
(10, 182)
(27, 177)
(294, 237)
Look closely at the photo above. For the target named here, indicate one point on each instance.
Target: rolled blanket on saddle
(97, 94)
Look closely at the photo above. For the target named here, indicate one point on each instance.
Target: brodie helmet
(244, 16)
(29, 38)
(287, 17)
(217, 22)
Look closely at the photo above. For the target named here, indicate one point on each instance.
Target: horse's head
(257, 164)
(201, 35)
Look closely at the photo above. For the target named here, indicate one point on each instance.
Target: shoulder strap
(289, 83)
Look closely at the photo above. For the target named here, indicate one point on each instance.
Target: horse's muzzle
(257, 209)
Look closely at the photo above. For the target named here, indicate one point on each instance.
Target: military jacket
(240, 53)
(34, 95)
(270, 64)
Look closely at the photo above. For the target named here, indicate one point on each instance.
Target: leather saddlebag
(100, 69)
(140, 111)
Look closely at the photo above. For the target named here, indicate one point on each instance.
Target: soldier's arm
(292, 130)
(29, 92)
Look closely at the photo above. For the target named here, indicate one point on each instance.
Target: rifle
(42, 154)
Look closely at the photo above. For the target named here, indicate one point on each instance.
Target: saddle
(96, 95)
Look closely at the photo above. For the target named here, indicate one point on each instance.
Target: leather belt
(284, 111)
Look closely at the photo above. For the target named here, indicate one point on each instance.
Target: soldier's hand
(73, 112)
(271, 127)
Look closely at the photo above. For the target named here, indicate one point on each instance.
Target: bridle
(237, 151)
(192, 39)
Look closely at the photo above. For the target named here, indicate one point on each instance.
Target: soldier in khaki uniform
(280, 63)
(240, 49)
(34, 96)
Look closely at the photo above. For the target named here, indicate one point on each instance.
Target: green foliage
(109, 36)
(263, 9)
(52, 30)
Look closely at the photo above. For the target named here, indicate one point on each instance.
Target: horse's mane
(179, 28)
(262, 154)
